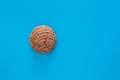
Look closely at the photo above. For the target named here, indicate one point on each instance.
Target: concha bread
(42, 39)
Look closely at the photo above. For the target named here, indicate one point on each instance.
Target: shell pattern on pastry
(42, 39)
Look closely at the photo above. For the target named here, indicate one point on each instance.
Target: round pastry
(42, 39)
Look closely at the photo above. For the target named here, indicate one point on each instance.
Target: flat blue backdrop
(88, 40)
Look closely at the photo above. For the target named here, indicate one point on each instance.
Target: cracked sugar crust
(42, 39)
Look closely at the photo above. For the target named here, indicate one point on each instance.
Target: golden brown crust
(42, 39)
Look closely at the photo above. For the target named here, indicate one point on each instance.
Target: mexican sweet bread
(42, 39)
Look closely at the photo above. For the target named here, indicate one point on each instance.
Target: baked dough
(42, 39)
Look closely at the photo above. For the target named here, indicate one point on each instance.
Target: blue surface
(88, 40)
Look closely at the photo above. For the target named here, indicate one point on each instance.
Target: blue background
(88, 40)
